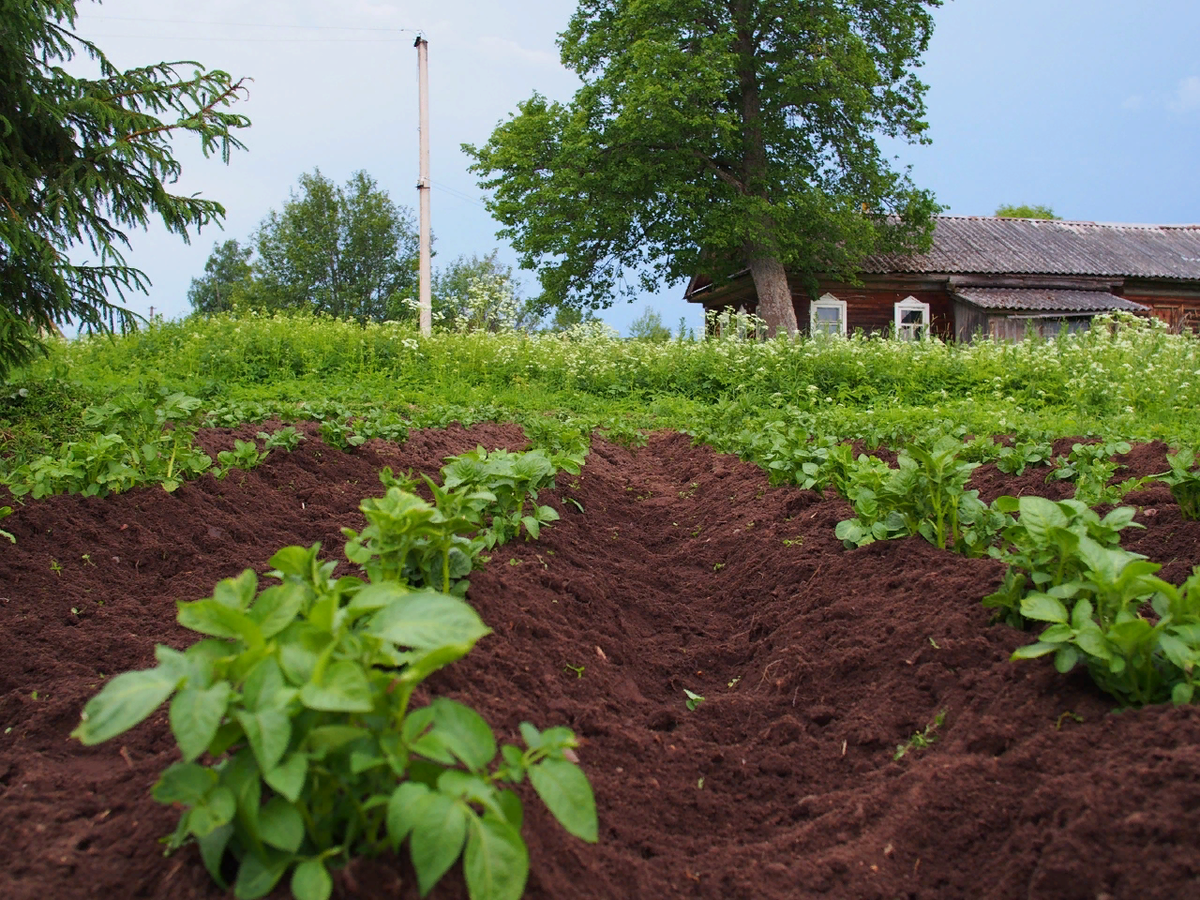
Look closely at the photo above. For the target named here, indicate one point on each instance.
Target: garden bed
(682, 571)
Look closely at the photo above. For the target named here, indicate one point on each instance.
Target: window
(912, 319)
(827, 315)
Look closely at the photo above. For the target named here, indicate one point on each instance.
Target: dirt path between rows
(683, 571)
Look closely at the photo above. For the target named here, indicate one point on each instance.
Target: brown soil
(683, 571)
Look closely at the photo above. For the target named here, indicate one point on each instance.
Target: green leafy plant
(92, 468)
(691, 699)
(621, 432)
(1184, 481)
(341, 433)
(1041, 547)
(384, 425)
(783, 446)
(925, 494)
(300, 694)
(245, 455)
(5, 512)
(417, 543)
(1098, 619)
(1090, 467)
(140, 439)
(1082, 456)
(1014, 460)
(230, 415)
(980, 449)
(288, 438)
(514, 479)
(921, 739)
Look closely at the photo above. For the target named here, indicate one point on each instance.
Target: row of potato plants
(1138, 636)
(1066, 567)
(148, 437)
(145, 438)
(293, 714)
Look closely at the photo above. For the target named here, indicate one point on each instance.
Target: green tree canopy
(343, 250)
(81, 159)
(226, 271)
(1025, 211)
(716, 135)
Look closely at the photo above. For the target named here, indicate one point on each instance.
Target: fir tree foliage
(82, 159)
(716, 136)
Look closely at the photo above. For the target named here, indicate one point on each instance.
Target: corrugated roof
(990, 245)
(1051, 300)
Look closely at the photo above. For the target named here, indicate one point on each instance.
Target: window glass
(912, 319)
(828, 315)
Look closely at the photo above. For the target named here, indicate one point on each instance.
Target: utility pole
(425, 304)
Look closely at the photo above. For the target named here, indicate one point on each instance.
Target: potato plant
(1042, 547)
(245, 455)
(925, 494)
(1097, 619)
(1014, 459)
(1184, 480)
(138, 439)
(6, 511)
(288, 438)
(514, 479)
(300, 748)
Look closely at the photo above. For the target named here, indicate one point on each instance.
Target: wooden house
(1000, 278)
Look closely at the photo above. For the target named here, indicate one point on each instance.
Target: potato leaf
(565, 790)
(311, 881)
(343, 689)
(195, 716)
(437, 839)
(495, 862)
(124, 702)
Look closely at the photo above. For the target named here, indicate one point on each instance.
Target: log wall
(872, 308)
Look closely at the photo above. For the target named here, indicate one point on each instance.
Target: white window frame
(826, 301)
(909, 331)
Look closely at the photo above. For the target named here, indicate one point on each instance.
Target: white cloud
(1187, 95)
(1136, 101)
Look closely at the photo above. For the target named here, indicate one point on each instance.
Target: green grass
(1121, 379)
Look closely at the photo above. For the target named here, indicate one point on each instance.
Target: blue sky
(1089, 106)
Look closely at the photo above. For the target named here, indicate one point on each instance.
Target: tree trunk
(761, 248)
(774, 296)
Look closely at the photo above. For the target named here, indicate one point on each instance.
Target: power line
(457, 194)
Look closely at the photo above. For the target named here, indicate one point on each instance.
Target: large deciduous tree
(82, 158)
(347, 251)
(716, 136)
